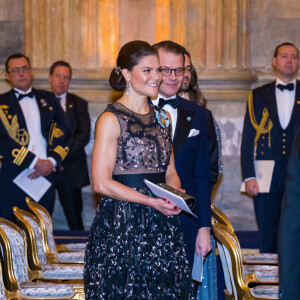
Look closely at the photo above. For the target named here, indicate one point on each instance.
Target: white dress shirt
(172, 111)
(37, 142)
(285, 103)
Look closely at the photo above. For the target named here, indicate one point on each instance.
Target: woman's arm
(172, 178)
(103, 162)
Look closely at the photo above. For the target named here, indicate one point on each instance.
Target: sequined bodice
(144, 145)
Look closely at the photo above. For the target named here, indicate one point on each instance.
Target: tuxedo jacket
(274, 144)
(14, 137)
(289, 238)
(192, 162)
(75, 164)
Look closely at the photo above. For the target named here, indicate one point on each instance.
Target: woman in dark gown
(135, 249)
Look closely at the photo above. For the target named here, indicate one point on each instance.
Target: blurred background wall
(231, 43)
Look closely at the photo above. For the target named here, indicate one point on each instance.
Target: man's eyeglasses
(167, 71)
(19, 69)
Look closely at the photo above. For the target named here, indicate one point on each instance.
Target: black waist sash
(137, 180)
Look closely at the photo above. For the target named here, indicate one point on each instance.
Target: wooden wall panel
(83, 32)
(162, 21)
(89, 33)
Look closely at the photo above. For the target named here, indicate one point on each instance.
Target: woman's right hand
(164, 206)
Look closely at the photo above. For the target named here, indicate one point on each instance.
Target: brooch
(162, 119)
(43, 102)
(189, 119)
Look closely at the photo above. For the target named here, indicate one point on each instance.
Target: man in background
(73, 174)
(271, 120)
(34, 136)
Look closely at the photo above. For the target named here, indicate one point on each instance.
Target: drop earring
(127, 90)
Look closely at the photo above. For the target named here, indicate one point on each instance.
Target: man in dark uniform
(289, 229)
(73, 174)
(272, 118)
(34, 134)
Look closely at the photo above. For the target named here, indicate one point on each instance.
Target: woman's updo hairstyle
(129, 56)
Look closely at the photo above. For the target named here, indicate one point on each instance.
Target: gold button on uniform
(283, 147)
(262, 145)
(283, 134)
(263, 137)
(283, 152)
(283, 140)
(261, 152)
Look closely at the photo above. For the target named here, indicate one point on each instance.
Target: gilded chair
(236, 279)
(248, 258)
(19, 279)
(36, 253)
(4, 293)
(55, 253)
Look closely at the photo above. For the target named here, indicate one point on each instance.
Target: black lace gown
(134, 251)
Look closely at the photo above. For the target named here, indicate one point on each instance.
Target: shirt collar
(279, 81)
(22, 92)
(155, 100)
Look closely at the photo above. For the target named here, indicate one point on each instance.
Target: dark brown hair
(169, 46)
(285, 44)
(194, 91)
(13, 56)
(129, 56)
(60, 63)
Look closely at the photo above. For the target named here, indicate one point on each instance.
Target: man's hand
(251, 187)
(35, 174)
(43, 167)
(203, 241)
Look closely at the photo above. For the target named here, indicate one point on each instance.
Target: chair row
(66, 253)
(31, 271)
(243, 281)
(248, 258)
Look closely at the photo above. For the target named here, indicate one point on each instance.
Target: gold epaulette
(62, 152)
(265, 124)
(20, 136)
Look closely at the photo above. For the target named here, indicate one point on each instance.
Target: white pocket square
(193, 132)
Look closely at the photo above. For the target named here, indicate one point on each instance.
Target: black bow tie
(174, 102)
(21, 96)
(289, 86)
